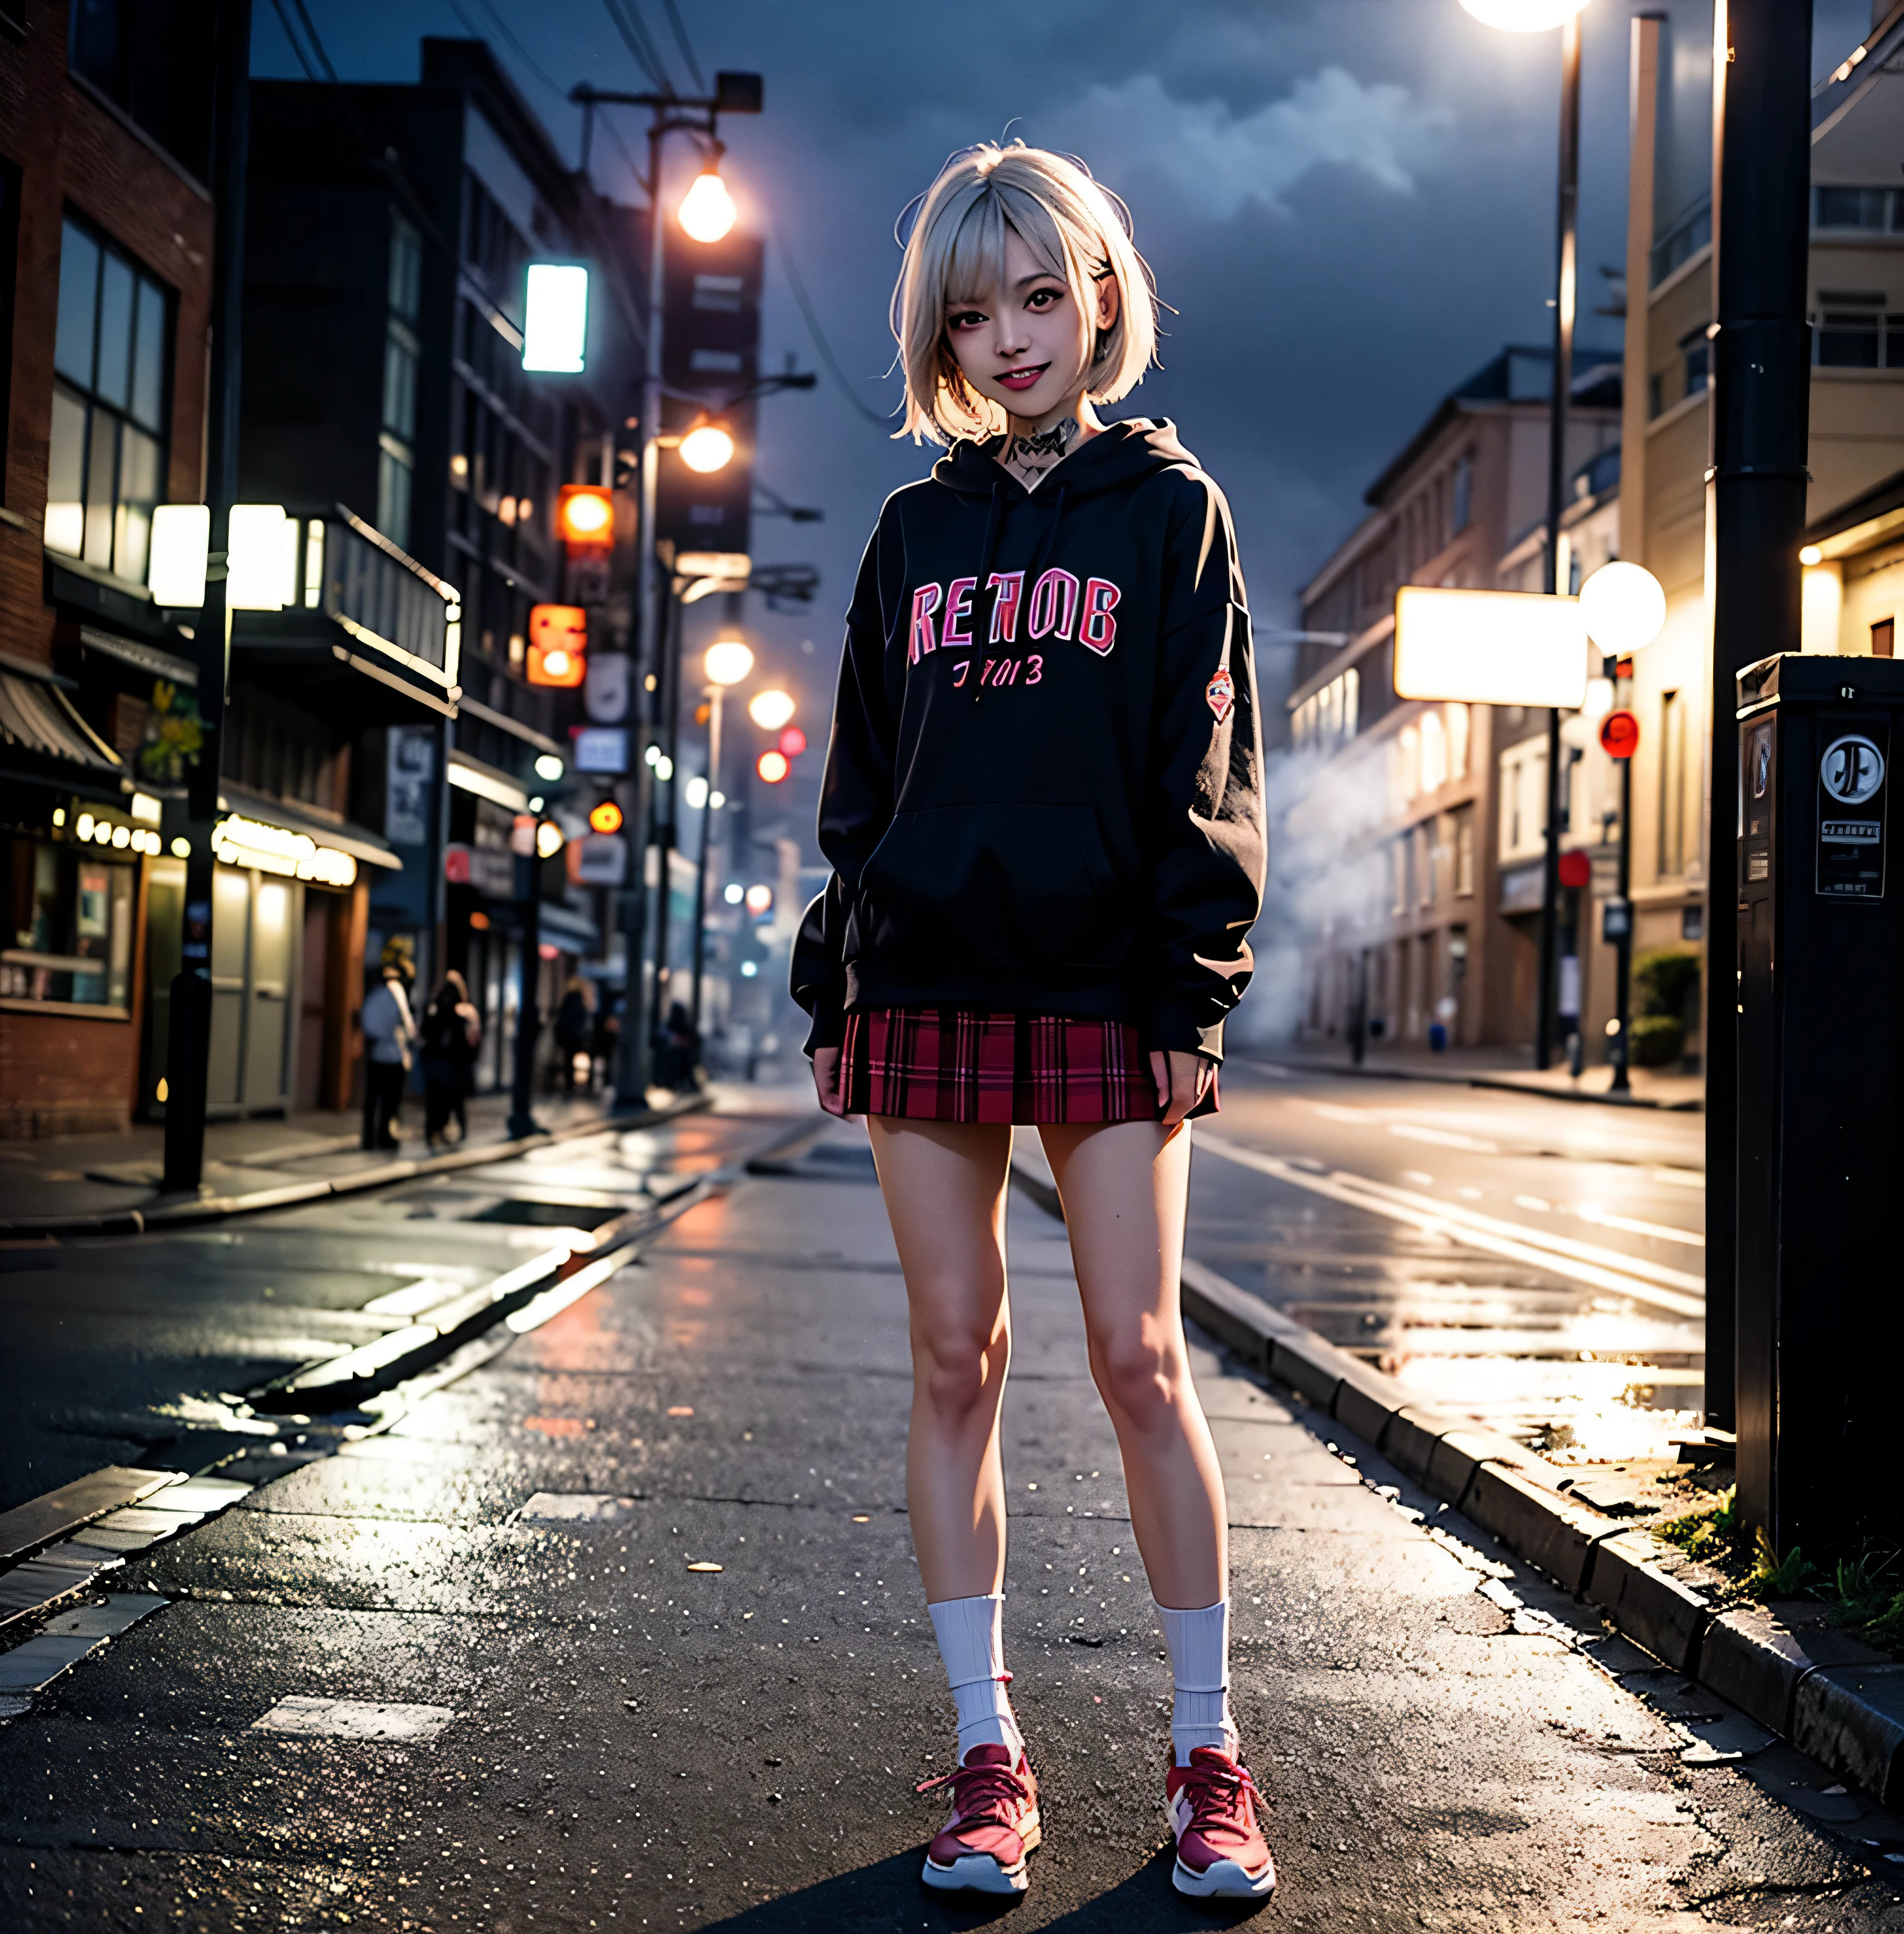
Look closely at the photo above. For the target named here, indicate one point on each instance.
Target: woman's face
(1025, 345)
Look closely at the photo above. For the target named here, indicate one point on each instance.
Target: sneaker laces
(985, 1792)
(1220, 1796)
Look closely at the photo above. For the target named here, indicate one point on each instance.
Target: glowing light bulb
(1523, 16)
(727, 662)
(707, 449)
(770, 710)
(1623, 606)
(707, 210)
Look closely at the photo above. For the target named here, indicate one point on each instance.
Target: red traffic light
(558, 644)
(793, 742)
(1576, 868)
(1619, 734)
(772, 766)
(606, 818)
(585, 519)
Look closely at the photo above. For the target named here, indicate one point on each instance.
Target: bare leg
(1125, 1187)
(944, 1183)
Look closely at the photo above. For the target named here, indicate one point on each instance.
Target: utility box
(1820, 934)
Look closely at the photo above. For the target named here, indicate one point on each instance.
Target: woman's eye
(1042, 299)
(969, 318)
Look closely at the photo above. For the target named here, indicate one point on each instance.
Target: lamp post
(1529, 16)
(706, 213)
(729, 660)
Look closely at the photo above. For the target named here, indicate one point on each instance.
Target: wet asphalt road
(611, 1738)
(1538, 1263)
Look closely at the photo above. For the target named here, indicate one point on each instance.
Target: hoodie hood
(1120, 454)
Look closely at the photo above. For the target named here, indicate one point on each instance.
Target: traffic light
(558, 644)
(585, 519)
(606, 818)
(793, 742)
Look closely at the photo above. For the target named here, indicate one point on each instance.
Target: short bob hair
(1078, 229)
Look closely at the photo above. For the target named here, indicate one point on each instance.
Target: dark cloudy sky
(1349, 203)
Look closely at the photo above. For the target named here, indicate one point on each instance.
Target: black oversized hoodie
(1044, 791)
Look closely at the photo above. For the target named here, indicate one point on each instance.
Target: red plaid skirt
(956, 1065)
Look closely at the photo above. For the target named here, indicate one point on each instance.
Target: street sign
(1489, 647)
(602, 860)
(558, 644)
(600, 749)
(1575, 870)
(605, 687)
(1619, 734)
(1616, 920)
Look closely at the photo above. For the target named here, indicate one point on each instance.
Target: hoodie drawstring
(988, 551)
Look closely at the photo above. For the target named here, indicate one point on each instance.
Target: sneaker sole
(1223, 1880)
(980, 1873)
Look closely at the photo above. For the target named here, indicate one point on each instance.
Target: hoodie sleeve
(855, 806)
(1207, 847)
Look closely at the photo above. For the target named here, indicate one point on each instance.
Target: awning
(359, 841)
(37, 718)
(485, 782)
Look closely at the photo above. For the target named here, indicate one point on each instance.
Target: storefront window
(70, 932)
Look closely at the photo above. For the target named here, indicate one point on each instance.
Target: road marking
(1441, 1138)
(354, 1719)
(1600, 1268)
(575, 1508)
(1635, 1227)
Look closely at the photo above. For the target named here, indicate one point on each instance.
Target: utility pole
(1755, 523)
(188, 1038)
(1566, 281)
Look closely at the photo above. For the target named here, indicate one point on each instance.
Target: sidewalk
(1487, 1068)
(110, 1184)
(622, 1628)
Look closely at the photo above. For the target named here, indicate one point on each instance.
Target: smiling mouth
(1022, 379)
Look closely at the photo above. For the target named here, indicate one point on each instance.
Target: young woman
(1044, 811)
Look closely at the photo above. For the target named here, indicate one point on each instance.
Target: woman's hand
(1182, 1081)
(827, 1079)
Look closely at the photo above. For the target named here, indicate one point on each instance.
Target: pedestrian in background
(1042, 805)
(575, 1032)
(453, 1030)
(389, 1033)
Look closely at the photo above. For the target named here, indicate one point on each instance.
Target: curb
(215, 1208)
(1500, 1082)
(1830, 1694)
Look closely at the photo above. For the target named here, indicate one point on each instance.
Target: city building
(106, 241)
(1403, 859)
(389, 230)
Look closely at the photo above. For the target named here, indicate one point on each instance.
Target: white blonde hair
(1078, 231)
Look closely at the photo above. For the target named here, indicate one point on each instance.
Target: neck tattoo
(1028, 458)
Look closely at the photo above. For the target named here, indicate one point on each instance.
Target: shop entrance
(257, 921)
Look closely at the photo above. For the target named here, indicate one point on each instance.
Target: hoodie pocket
(986, 886)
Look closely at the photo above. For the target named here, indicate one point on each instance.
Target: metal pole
(528, 1018)
(706, 846)
(668, 683)
(188, 1036)
(1754, 522)
(1565, 280)
(1622, 1054)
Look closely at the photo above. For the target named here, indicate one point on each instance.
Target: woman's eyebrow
(1042, 275)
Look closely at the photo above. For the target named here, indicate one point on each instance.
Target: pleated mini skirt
(962, 1064)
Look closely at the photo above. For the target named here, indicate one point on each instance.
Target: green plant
(1776, 1578)
(1666, 981)
(1713, 1535)
(1887, 1627)
(1862, 1591)
(1657, 1039)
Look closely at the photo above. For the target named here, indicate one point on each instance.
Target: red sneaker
(994, 1824)
(1220, 1849)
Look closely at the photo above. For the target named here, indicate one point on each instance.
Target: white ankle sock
(1198, 1642)
(972, 1643)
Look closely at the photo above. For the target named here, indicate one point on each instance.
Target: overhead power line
(687, 50)
(628, 24)
(819, 336)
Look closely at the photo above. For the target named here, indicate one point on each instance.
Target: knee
(958, 1369)
(1139, 1376)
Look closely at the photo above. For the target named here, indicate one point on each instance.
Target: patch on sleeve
(1221, 693)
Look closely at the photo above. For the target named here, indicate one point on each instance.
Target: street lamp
(707, 210)
(727, 662)
(770, 710)
(1624, 608)
(1530, 16)
(706, 448)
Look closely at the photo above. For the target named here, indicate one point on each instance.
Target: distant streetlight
(1523, 16)
(727, 662)
(770, 710)
(1532, 17)
(1624, 606)
(707, 210)
(707, 448)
